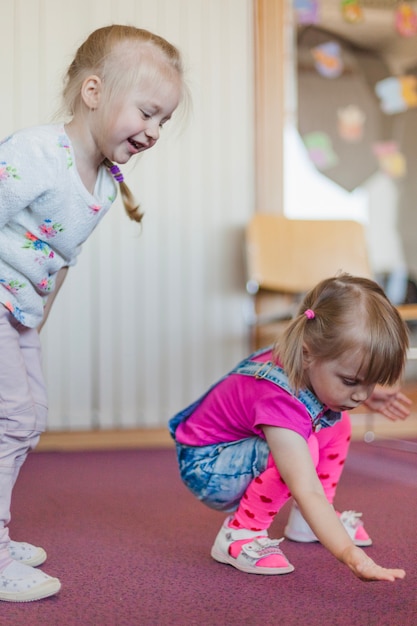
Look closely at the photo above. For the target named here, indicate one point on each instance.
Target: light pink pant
(23, 408)
(267, 493)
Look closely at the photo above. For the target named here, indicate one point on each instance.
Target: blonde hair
(108, 52)
(346, 313)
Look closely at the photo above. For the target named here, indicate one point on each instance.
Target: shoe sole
(249, 569)
(44, 590)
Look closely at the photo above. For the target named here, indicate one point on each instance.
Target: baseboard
(104, 439)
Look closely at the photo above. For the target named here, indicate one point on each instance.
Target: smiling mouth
(136, 145)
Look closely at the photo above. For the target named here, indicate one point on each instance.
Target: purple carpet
(132, 547)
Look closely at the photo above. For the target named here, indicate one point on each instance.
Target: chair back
(291, 255)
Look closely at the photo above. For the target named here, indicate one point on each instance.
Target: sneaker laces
(260, 547)
(351, 518)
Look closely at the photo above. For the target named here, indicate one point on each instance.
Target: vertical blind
(151, 315)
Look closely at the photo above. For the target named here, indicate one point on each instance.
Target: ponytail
(129, 203)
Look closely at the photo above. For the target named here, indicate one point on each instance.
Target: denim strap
(275, 374)
(189, 410)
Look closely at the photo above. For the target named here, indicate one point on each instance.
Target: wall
(147, 319)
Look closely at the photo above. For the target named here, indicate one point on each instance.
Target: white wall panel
(149, 317)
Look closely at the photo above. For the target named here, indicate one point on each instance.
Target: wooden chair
(286, 257)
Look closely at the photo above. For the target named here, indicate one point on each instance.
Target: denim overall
(219, 474)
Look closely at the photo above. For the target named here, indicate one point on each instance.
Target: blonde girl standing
(256, 437)
(56, 183)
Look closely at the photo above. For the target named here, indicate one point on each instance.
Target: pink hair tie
(309, 313)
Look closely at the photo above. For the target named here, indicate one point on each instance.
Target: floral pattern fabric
(46, 214)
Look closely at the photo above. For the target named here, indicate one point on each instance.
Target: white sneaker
(26, 553)
(23, 583)
(297, 528)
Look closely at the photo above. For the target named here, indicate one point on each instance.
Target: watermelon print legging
(267, 493)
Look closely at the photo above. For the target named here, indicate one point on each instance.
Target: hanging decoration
(352, 11)
(343, 111)
(390, 159)
(350, 123)
(328, 60)
(406, 20)
(397, 93)
(320, 150)
(306, 11)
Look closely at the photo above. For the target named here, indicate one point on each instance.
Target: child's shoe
(23, 583)
(250, 551)
(297, 528)
(26, 553)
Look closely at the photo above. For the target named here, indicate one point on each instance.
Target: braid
(131, 206)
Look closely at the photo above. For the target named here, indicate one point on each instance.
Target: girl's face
(337, 383)
(135, 120)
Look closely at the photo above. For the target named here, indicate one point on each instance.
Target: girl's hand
(390, 402)
(366, 569)
(295, 465)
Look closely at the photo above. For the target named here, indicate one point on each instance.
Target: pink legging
(267, 493)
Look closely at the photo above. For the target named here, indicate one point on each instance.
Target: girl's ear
(307, 357)
(91, 91)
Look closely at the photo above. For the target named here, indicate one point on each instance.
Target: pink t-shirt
(237, 407)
